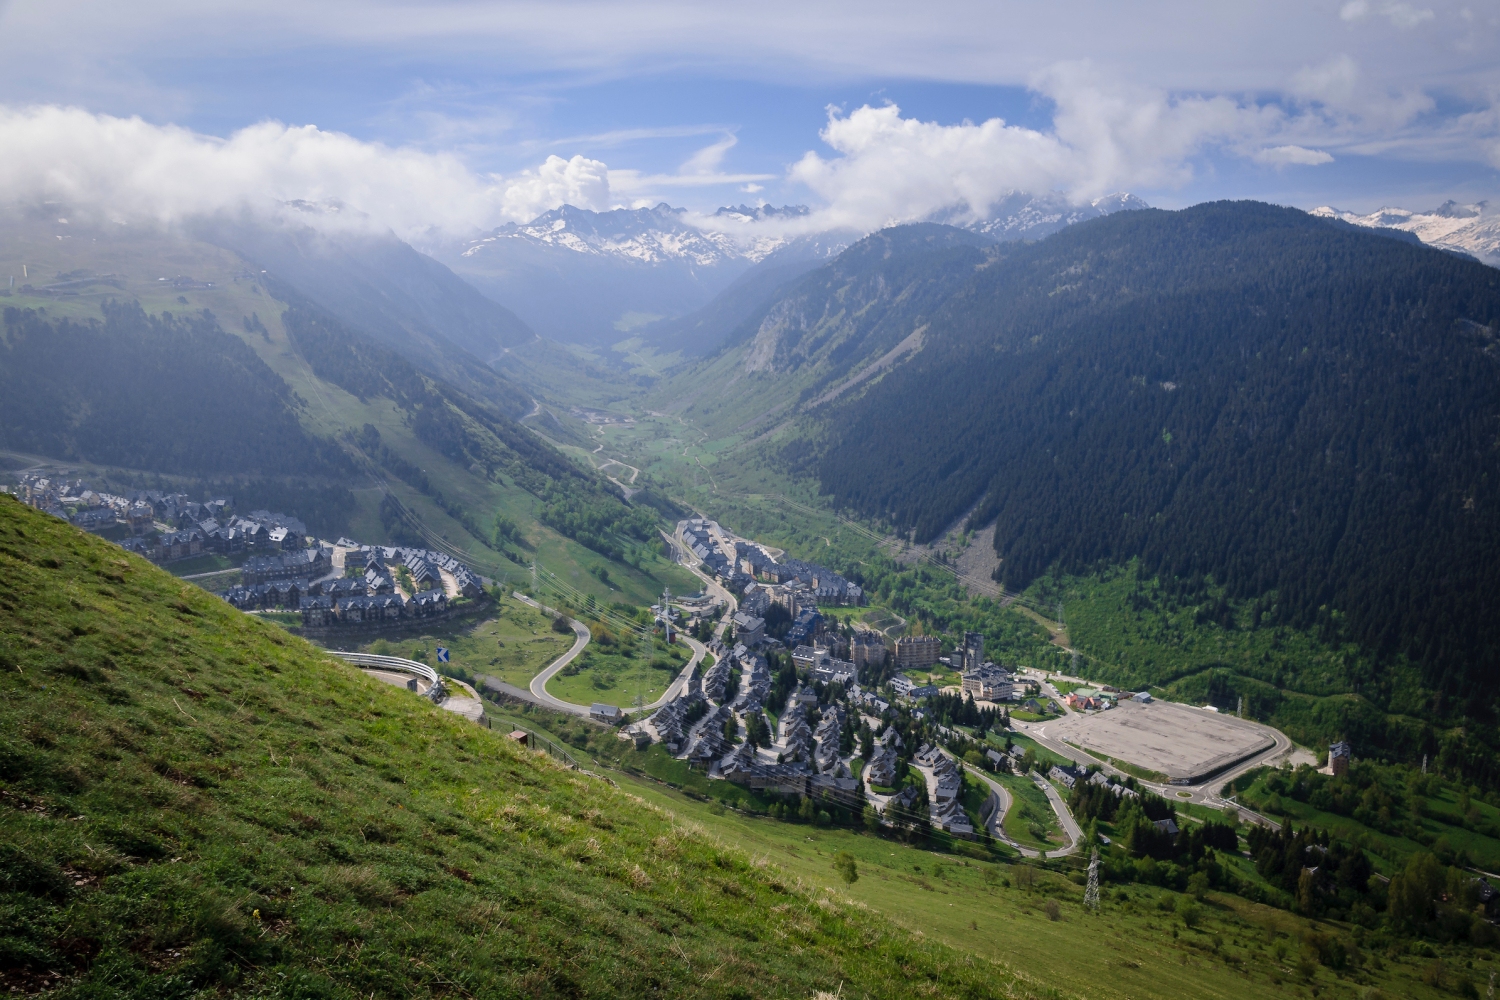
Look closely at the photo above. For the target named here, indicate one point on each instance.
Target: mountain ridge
(1473, 230)
(1197, 389)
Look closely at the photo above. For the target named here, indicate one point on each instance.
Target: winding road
(539, 682)
(1064, 815)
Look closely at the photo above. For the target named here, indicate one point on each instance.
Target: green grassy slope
(1138, 945)
(193, 801)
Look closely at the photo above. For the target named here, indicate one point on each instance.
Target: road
(1064, 816)
(539, 682)
(690, 562)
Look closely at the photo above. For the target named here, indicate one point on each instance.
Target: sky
(446, 116)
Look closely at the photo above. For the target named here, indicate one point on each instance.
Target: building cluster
(739, 563)
(164, 527)
(945, 788)
(348, 583)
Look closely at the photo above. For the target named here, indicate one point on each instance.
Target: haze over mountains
(580, 276)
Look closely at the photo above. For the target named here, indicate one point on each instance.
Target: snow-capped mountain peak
(1024, 216)
(646, 235)
(1471, 229)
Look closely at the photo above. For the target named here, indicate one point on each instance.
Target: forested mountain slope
(175, 394)
(836, 327)
(154, 352)
(194, 803)
(1304, 413)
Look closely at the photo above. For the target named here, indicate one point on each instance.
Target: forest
(1235, 391)
(170, 394)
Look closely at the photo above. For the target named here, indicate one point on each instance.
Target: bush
(562, 625)
(1052, 909)
(844, 864)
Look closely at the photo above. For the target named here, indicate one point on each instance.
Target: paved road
(539, 682)
(1064, 816)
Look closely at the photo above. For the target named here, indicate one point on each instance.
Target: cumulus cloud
(1104, 138)
(1287, 156)
(129, 170)
(1401, 15)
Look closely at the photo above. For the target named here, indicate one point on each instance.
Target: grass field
(620, 674)
(511, 641)
(1030, 821)
(1133, 948)
(198, 804)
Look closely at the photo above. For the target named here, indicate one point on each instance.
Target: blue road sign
(442, 654)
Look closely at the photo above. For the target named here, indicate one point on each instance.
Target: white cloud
(1104, 138)
(1285, 156)
(1342, 87)
(580, 182)
(707, 159)
(127, 169)
(1401, 15)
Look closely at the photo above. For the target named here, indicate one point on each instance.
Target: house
(881, 770)
(917, 651)
(948, 815)
(1339, 755)
(1033, 706)
(1144, 697)
(804, 626)
(1067, 776)
(988, 683)
(749, 630)
(608, 714)
(928, 756)
(316, 611)
(832, 671)
(423, 576)
(428, 603)
(1166, 826)
(902, 684)
(806, 657)
(867, 649)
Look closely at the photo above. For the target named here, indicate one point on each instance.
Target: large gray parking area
(1183, 743)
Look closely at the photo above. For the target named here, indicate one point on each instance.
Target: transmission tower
(1091, 893)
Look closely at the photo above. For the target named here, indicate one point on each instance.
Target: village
(282, 567)
(812, 707)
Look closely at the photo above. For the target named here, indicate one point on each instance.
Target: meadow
(1029, 919)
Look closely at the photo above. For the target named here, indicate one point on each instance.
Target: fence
(397, 663)
(537, 741)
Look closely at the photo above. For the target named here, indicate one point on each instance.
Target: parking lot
(1181, 742)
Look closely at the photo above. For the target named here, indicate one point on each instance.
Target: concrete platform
(1186, 744)
(462, 699)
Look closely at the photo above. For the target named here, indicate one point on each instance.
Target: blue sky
(1357, 103)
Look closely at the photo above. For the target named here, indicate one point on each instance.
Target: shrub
(844, 864)
(1052, 909)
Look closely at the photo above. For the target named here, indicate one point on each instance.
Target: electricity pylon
(1091, 893)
